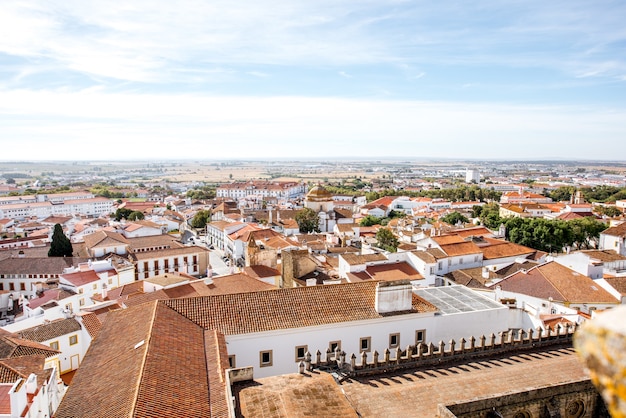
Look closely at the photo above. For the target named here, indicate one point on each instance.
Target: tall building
(472, 176)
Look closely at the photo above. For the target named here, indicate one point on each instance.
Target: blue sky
(327, 78)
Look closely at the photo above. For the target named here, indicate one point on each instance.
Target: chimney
(394, 296)
(485, 273)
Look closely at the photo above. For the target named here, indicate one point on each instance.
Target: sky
(262, 79)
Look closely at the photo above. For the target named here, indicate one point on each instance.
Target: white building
(472, 175)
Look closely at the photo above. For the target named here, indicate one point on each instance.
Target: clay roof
(354, 259)
(447, 239)
(616, 231)
(14, 368)
(39, 265)
(92, 323)
(293, 395)
(13, 346)
(460, 248)
(553, 280)
(617, 283)
(142, 344)
(425, 256)
(269, 310)
(81, 278)
(502, 249)
(51, 330)
(606, 256)
(154, 241)
(191, 250)
(166, 279)
(477, 231)
(388, 272)
(259, 272)
(104, 238)
(49, 295)
(471, 278)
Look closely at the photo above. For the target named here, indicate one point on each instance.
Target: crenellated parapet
(435, 354)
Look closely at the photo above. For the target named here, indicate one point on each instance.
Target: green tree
(490, 216)
(135, 215)
(307, 220)
(454, 218)
(122, 213)
(586, 232)
(200, 219)
(610, 211)
(370, 220)
(60, 245)
(387, 240)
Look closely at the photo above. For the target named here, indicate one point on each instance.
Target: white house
(66, 335)
(614, 238)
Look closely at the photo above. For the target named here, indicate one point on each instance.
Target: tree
(307, 220)
(60, 245)
(610, 211)
(200, 219)
(386, 240)
(10, 180)
(369, 220)
(122, 213)
(454, 218)
(135, 215)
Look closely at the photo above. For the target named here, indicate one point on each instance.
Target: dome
(318, 194)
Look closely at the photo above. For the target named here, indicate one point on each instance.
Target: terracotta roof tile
(50, 330)
(553, 280)
(174, 376)
(92, 323)
(616, 231)
(460, 248)
(97, 388)
(285, 308)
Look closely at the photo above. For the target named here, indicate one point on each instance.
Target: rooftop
(456, 299)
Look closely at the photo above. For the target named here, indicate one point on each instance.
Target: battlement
(424, 355)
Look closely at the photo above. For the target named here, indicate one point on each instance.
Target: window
(80, 291)
(11, 286)
(432, 270)
(301, 352)
(73, 339)
(420, 336)
(22, 286)
(110, 280)
(54, 345)
(365, 344)
(68, 307)
(394, 340)
(81, 301)
(231, 361)
(95, 286)
(265, 358)
(334, 346)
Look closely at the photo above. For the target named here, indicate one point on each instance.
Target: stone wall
(572, 400)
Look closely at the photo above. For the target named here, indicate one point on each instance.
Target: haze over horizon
(294, 79)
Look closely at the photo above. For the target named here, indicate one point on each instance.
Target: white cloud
(50, 125)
